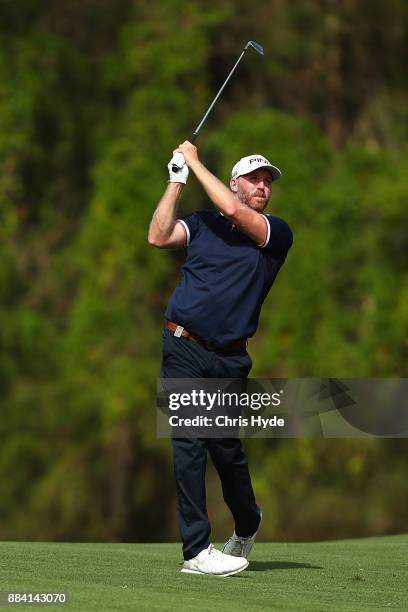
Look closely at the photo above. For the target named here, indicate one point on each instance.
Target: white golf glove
(178, 169)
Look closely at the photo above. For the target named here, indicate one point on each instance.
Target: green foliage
(93, 98)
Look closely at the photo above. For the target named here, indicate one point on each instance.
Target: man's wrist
(177, 187)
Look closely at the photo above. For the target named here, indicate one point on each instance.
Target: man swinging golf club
(234, 253)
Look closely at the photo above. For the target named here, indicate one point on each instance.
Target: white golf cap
(253, 162)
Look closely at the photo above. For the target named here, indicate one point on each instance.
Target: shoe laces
(242, 540)
(214, 551)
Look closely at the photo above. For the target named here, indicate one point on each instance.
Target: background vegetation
(94, 95)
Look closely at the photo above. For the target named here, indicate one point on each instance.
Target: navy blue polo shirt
(226, 276)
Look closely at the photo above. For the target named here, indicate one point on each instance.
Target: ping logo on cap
(260, 160)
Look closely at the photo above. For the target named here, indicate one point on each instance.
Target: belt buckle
(179, 330)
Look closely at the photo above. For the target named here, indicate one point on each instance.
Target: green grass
(365, 574)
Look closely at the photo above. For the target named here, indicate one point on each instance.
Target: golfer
(234, 253)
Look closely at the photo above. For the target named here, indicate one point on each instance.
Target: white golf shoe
(240, 547)
(213, 562)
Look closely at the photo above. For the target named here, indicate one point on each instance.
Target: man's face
(253, 189)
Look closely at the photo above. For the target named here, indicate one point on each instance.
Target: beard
(250, 199)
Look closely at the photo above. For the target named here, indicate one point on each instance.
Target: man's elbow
(230, 210)
(155, 241)
(153, 237)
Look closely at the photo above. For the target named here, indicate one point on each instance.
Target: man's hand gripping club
(178, 169)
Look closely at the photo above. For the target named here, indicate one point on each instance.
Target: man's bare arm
(165, 231)
(244, 218)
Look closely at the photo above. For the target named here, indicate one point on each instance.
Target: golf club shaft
(199, 126)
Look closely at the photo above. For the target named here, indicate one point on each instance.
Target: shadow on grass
(263, 566)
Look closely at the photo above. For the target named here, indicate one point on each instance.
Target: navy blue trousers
(183, 358)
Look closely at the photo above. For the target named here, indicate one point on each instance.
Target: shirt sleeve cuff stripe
(268, 233)
(186, 229)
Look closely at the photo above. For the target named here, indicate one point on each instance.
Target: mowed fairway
(364, 574)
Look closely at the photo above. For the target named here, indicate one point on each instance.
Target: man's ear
(234, 185)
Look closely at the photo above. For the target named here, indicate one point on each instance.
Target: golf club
(253, 45)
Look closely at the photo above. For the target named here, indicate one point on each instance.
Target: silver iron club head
(254, 45)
